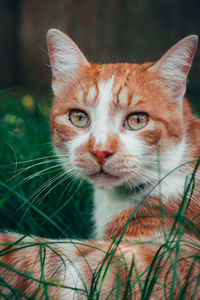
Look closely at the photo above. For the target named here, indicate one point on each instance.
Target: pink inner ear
(185, 69)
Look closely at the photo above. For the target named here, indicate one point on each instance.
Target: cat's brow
(123, 99)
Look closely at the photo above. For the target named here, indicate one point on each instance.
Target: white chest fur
(108, 203)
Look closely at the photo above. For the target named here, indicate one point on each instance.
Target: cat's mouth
(105, 180)
(103, 173)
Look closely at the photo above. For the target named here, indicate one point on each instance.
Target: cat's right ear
(65, 58)
(175, 64)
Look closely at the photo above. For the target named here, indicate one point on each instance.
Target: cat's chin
(103, 180)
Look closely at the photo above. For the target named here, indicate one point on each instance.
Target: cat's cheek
(79, 155)
(151, 137)
(66, 133)
(132, 145)
(57, 142)
(160, 139)
(85, 165)
(173, 156)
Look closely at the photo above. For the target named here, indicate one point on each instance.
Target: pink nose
(101, 155)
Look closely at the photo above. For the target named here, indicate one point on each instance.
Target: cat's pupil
(80, 116)
(138, 119)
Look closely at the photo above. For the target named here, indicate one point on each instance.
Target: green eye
(136, 121)
(79, 118)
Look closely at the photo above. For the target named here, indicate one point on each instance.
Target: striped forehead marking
(123, 97)
(80, 95)
(91, 96)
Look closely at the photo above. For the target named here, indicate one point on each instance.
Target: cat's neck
(107, 204)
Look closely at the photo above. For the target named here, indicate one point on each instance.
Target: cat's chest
(107, 204)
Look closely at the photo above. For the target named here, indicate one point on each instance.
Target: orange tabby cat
(128, 130)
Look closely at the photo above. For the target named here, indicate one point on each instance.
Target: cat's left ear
(175, 64)
(65, 58)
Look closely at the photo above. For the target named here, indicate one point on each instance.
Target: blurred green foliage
(33, 198)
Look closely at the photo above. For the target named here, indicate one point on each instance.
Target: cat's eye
(136, 121)
(79, 118)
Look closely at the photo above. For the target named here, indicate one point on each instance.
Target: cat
(129, 130)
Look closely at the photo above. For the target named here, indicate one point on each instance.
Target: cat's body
(127, 129)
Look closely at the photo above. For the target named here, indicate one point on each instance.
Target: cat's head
(109, 122)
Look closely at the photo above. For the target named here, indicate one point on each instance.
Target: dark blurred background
(106, 31)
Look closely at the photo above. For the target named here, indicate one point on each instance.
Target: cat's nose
(102, 155)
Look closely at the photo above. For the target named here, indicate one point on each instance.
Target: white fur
(72, 278)
(91, 95)
(61, 119)
(132, 144)
(123, 97)
(107, 204)
(100, 115)
(81, 139)
(174, 182)
(80, 96)
(69, 274)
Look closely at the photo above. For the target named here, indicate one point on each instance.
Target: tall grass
(37, 198)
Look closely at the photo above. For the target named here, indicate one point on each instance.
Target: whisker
(36, 165)
(37, 193)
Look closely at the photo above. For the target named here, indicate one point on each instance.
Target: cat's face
(110, 123)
